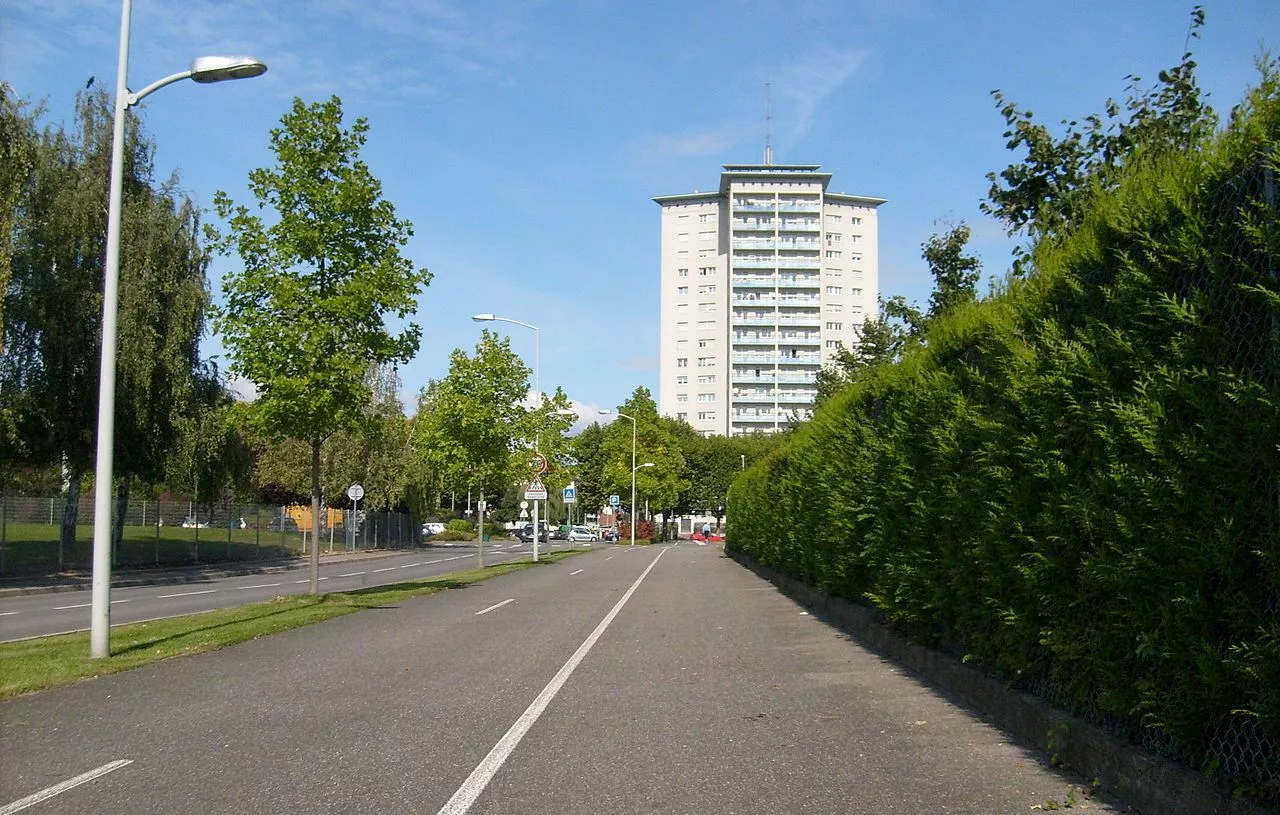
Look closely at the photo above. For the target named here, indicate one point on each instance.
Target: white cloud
(662, 147)
(809, 80)
(242, 389)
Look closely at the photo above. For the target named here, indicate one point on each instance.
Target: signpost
(536, 493)
(355, 492)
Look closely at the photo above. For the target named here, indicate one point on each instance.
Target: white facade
(761, 282)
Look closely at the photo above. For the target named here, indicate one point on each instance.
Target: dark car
(524, 533)
(560, 533)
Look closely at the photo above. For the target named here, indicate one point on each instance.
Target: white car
(432, 528)
(581, 533)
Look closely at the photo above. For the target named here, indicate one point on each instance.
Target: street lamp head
(646, 464)
(220, 69)
(483, 318)
(565, 412)
(606, 411)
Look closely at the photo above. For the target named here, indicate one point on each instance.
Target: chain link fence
(182, 533)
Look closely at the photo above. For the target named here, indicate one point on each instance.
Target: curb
(1152, 784)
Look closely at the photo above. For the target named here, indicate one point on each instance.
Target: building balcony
(744, 339)
(792, 378)
(753, 243)
(753, 397)
(752, 226)
(785, 262)
(754, 281)
(755, 206)
(771, 418)
(810, 341)
(797, 397)
(798, 243)
(800, 206)
(799, 283)
(753, 263)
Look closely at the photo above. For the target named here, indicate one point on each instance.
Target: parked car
(432, 528)
(560, 533)
(608, 533)
(525, 533)
(581, 533)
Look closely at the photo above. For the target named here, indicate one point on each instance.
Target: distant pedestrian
(706, 530)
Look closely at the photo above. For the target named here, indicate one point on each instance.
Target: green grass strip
(51, 662)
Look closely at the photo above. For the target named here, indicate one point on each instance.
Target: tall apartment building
(761, 281)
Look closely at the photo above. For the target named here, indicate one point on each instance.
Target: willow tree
(307, 315)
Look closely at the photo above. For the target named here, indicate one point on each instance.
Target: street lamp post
(203, 70)
(537, 384)
(633, 470)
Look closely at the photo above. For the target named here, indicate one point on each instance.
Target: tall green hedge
(1076, 484)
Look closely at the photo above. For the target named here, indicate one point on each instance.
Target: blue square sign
(614, 500)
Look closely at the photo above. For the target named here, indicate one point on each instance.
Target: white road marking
(480, 777)
(429, 562)
(351, 574)
(610, 557)
(57, 789)
(580, 571)
(388, 569)
(304, 580)
(185, 594)
(7, 613)
(259, 586)
(64, 608)
(410, 565)
(495, 605)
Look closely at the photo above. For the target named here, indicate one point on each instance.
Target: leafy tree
(587, 449)
(306, 317)
(1046, 193)
(473, 422)
(955, 274)
(661, 484)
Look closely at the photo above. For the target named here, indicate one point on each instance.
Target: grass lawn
(51, 662)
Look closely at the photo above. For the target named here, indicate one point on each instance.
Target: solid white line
(409, 565)
(580, 571)
(113, 602)
(351, 574)
(58, 789)
(304, 580)
(185, 594)
(7, 613)
(480, 777)
(495, 605)
(64, 608)
(259, 586)
(429, 562)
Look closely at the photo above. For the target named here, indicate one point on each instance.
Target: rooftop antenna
(768, 125)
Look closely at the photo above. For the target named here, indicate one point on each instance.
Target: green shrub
(460, 525)
(452, 535)
(1076, 483)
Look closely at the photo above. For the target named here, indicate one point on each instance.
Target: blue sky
(525, 138)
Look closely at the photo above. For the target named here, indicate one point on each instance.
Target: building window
(706, 307)
(704, 218)
(706, 362)
(707, 415)
(856, 292)
(682, 380)
(833, 254)
(706, 397)
(834, 290)
(682, 362)
(681, 344)
(705, 324)
(682, 289)
(706, 271)
(682, 237)
(683, 417)
(707, 236)
(707, 379)
(711, 289)
(682, 307)
(855, 220)
(833, 237)
(705, 253)
(834, 219)
(835, 308)
(682, 272)
(855, 238)
(683, 217)
(706, 343)
(833, 273)
(682, 325)
(835, 326)
(684, 253)
(834, 343)
(682, 398)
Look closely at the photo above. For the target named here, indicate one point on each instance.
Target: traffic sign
(536, 491)
(570, 495)
(614, 500)
(355, 492)
(538, 464)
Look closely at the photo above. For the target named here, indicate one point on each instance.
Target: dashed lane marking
(259, 586)
(495, 605)
(580, 571)
(185, 594)
(351, 574)
(57, 789)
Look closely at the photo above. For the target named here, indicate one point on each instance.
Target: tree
(1047, 192)
(955, 274)
(473, 422)
(660, 484)
(587, 449)
(306, 316)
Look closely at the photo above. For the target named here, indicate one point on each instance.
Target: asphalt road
(627, 680)
(37, 614)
